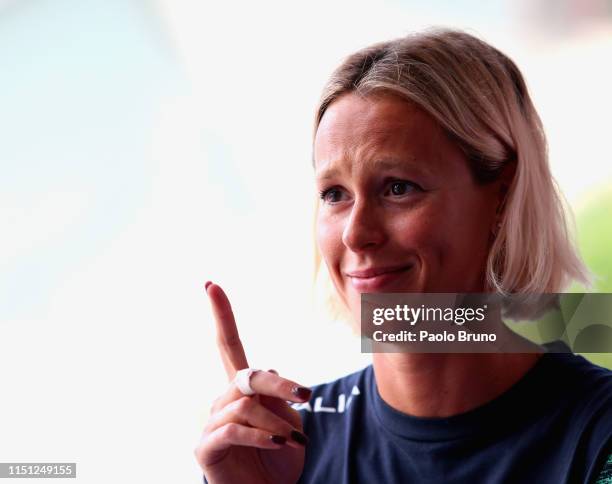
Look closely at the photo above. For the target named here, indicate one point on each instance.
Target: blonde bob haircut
(479, 96)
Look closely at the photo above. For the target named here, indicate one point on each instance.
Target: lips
(377, 279)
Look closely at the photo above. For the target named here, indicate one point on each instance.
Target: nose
(364, 229)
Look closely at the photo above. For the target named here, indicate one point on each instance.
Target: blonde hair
(479, 96)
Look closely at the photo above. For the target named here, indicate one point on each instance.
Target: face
(400, 211)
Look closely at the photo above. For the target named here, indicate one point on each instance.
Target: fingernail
(273, 371)
(208, 283)
(302, 393)
(278, 439)
(299, 437)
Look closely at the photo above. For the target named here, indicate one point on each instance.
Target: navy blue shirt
(553, 426)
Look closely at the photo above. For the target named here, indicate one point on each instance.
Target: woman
(430, 160)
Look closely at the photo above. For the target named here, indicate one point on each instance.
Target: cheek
(471, 229)
(329, 239)
(420, 230)
(454, 243)
(442, 236)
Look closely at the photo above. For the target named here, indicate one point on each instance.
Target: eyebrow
(380, 163)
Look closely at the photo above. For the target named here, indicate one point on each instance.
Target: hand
(250, 439)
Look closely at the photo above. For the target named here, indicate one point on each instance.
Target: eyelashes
(401, 187)
(323, 194)
(395, 188)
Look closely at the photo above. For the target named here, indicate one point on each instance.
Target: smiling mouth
(377, 271)
(377, 279)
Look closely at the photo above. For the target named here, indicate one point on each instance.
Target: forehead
(358, 128)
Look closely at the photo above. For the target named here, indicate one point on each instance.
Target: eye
(398, 188)
(331, 195)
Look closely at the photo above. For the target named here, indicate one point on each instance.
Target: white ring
(242, 380)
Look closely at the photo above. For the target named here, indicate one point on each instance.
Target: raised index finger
(228, 339)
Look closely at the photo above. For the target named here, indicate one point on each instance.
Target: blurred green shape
(594, 230)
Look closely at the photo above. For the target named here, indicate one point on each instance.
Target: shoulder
(580, 386)
(583, 392)
(576, 371)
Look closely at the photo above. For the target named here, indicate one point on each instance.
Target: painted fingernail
(299, 437)
(278, 439)
(302, 393)
(208, 283)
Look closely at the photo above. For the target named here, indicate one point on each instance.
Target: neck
(445, 384)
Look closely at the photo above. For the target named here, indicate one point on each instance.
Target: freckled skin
(440, 226)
